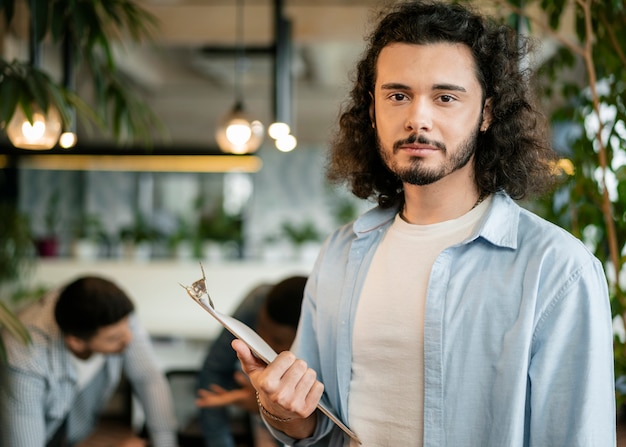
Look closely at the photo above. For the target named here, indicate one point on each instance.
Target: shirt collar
(499, 224)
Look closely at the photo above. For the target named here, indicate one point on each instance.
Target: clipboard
(198, 292)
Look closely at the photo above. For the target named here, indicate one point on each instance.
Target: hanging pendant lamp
(40, 134)
(40, 130)
(236, 132)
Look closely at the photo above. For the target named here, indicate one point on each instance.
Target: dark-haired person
(448, 315)
(84, 337)
(273, 311)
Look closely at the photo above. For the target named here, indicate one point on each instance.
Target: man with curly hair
(447, 315)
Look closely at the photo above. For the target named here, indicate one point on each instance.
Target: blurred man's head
(278, 320)
(92, 314)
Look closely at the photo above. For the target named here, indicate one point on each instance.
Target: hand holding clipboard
(198, 292)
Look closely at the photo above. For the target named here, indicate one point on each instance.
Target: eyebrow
(398, 86)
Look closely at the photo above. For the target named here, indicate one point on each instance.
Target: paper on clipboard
(198, 292)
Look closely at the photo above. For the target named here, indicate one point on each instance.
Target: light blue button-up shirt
(517, 334)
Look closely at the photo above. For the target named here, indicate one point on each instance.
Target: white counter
(162, 304)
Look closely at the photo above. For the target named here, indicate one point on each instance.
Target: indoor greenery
(91, 27)
(17, 254)
(586, 79)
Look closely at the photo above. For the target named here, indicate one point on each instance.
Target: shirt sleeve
(23, 396)
(572, 398)
(150, 386)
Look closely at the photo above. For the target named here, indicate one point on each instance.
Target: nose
(419, 116)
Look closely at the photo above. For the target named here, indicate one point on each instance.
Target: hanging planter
(90, 27)
(26, 93)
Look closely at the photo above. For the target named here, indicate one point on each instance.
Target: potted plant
(88, 236)
(48, 243)
(304, 237)
(219, 234)
(180, 241)
(137, 238)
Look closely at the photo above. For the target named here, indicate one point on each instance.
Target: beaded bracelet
(267, 413)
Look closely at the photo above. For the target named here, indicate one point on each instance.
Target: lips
(418, 149)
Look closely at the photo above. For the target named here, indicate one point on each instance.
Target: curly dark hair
(514, 154)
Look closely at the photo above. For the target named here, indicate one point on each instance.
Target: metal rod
(282, 66)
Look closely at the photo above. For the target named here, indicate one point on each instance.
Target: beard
(419, 174)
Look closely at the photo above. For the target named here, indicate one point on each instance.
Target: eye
(398, 97)
(446, 98)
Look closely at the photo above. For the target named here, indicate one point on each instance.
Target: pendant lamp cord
(240, 58)
(33, 45)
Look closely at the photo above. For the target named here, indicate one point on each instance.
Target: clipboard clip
(198, 289)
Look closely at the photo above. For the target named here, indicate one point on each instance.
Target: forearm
(22, 420)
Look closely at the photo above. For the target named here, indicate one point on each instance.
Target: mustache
(421, 139)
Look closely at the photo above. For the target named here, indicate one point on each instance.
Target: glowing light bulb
(286, 143)
(278, 130)
(42, 133)
(33, 132)
(67, 140)
(238, 133)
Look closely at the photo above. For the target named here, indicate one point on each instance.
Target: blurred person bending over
(273, 312)
(84, 337)
(448, 315)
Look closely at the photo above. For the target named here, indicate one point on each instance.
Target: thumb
(249, 363)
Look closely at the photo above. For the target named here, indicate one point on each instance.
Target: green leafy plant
(217, 225)
(298, 234)
(89, 226)
(591, 200)
(17, 255)
(140, 230)
(25, 86)
(91, 27)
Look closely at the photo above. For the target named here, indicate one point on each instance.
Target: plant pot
(47, 247)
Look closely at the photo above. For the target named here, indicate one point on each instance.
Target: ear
(372, 111)
(487, 116)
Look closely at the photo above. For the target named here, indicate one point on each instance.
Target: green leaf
(26, 103)
(9, 92)
(8, 6)
(57, 94)
(39, 13)
(12, 324)
(58, 21)
(38, 85)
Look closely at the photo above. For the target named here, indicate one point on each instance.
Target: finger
(249, 363)
(218, 389)
(202, 393)
(287, 372)
(306, 392)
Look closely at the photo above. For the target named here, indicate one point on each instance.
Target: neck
(425, 205)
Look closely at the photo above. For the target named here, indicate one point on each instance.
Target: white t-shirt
(386, 399)
(87, 369)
